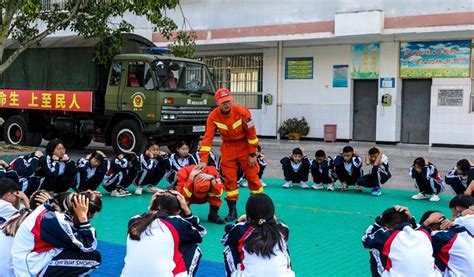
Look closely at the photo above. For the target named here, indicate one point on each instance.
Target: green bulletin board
(299, 68)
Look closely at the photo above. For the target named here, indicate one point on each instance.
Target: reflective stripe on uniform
(237, 124)
(210, 194)
(188, 193)
(253, 141)
(233, 192)
(221, 126)
(206, 148)
(260, 190)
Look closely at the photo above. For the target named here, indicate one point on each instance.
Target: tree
(30, 21)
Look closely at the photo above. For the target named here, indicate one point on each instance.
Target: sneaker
(244, 184)
(152, 189)
(317, 186)
(303, 185)
(264, 184)
(116, 193)
(139, 191)
(330, 187)
(358, 188)
(376, 191)
(288, 185)
(434, 198)
(343, 187)
(124, 192)
(418, 196)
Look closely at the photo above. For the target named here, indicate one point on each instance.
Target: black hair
(320, 153)
(180, 144)
(463, 201)
(131, 158)
(259, 148)
(464, 165)
(163, 206)
(150, 144)
(391, 218)
(33, 202)
(419, 162)
(52, 145)
(10, 227)
(433, 226)
(7, 185)
(297, 151)
(98, 156)
(267, 233)
(63, 202)
(373, 151)
(347, 149)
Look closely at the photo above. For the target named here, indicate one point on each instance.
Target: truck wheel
(69, 140)
(127, 137)
(83, 142)
(15, 131)
(34, 139)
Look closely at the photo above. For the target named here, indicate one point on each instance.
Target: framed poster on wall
(340, 76)
(299, 68)
(365, 61)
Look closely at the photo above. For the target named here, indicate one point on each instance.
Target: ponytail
(267, 234)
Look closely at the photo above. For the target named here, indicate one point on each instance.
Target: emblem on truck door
(137, 100)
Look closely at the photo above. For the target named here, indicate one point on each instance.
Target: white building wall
(268, 124)
(316, 99)
(451, 125)
(389, 117)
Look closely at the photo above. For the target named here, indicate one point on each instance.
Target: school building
(383, 71)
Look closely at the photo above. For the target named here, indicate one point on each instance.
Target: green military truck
(55, 90)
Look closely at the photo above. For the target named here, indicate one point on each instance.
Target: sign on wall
(365, 61)
(450, 97)
(299, 68)
(340, 76)
(387, 82)
(430, 59)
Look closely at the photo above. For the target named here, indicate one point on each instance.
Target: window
(49, 4)
(241, 74)
(139, 75)
(115, 74)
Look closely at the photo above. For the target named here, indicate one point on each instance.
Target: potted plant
(294, 128)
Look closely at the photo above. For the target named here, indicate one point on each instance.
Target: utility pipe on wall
(279, 85)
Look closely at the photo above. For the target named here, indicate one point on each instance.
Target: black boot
(214, 215)
(232, 211)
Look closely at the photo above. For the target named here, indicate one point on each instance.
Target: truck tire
(15, 131)
(83, 142)
(35, 139)
(127, 137)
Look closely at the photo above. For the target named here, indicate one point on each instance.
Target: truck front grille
(184, 114)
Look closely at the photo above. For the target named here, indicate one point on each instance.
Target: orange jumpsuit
(239, 139)
(192, 191)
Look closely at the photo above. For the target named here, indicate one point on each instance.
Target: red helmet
(223, 95)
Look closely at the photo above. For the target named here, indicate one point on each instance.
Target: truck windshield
(182, 76)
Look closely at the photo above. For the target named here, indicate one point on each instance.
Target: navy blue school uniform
(428, 181)
(295, 172)
(350, 171)
(7, 173)
(323, 173)
(176, 163)
(211, 162)
(377, 176)
(90, 178)
(151, 170)
(58, 176)
(26, 167)
(121, 174)
(459, 185)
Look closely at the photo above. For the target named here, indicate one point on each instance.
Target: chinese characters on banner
(75, 101)
(430, 59)
(365, 61)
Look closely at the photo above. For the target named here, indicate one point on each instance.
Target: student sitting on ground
(58, 169)
(7, 172)
(462, 208)
(378, 175)
(460, 177)
(348, 168)
(398, 248)
(10, 199)
(426, 178)
(201, 186)
(56, 232)
(179, 160)
(257, 245)
(91, 171)
(123, 170)
(296, 169)
(28, 167)
(161, 242)
(154, 165)
(322, 169)
(453, 245)
(212, 157)
(262, 163)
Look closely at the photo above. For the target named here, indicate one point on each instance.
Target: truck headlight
(166, 116)
(172, 116)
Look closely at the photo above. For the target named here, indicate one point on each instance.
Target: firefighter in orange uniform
(201, 186)
(239, 145)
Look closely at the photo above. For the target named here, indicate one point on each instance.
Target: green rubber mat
(325, 227)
